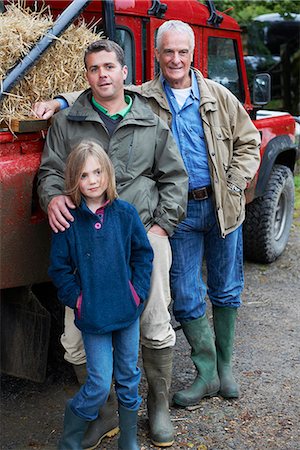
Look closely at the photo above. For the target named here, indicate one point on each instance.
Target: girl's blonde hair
(74, 168)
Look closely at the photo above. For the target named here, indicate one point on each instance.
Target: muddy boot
(80, 372)
(74, 429)
(224, 325)
(107, 422)
(203, 354)
(128, 429)
(158, 365)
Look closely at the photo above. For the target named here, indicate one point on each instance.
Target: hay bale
(60, 69)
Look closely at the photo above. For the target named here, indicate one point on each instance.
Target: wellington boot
(203, 354)
(74, 429)
(224, 325)
(128, 429)
(107, 422)
(158, 365)
(80, 372)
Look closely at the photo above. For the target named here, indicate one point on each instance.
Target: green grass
(297, 196)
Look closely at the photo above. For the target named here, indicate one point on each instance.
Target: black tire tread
(259, 244)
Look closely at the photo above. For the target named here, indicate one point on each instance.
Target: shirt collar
(85, 207)
(195, 88)
(99, 210)
(121, 113)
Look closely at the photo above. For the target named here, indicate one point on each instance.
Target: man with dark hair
(150, 174)
(106, 46)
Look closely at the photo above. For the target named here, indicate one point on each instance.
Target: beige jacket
(232, 143)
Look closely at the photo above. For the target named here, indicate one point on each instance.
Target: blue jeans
(107, 355)
(198, 237)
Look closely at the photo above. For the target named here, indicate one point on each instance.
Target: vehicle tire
(269, 218)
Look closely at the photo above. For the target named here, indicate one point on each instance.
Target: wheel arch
(280, 150)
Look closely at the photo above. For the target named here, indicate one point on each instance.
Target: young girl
(101, 267)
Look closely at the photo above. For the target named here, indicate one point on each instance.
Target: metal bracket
(158, 9)
(214, 18)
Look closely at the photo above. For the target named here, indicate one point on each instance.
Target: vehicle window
(125, 40)
(223, 64)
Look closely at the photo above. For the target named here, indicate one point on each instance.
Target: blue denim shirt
(188, 133)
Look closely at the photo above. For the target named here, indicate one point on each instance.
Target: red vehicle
(25, 291)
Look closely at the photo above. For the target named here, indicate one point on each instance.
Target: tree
(244, 11)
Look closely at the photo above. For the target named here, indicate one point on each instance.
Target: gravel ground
(266, 364)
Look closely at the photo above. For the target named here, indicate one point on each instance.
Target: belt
(200, 194)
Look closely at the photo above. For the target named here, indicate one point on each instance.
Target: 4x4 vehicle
(24, 229)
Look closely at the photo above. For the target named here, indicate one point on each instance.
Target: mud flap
(25, 331)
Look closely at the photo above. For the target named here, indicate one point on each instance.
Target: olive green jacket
(150, 172)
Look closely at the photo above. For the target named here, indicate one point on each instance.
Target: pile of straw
(60, 69)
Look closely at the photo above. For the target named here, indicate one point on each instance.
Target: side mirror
(261, 89)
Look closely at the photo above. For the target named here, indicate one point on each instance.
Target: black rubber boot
(224, 324)
(128, 429)
(80, 372)
(203, 354)
(158, 364)
(74, 429)
(107, 422)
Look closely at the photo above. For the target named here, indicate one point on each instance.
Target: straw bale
(60, 69)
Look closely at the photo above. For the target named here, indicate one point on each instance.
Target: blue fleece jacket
(108, 264)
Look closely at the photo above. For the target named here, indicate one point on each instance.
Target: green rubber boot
(128, 429)
(107, 423)
(105, 426)
(158, 364)
(203, 354)
(74, 429)
(224, 325)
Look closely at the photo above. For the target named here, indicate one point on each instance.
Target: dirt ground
(266, 364)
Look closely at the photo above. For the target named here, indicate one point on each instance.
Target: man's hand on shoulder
(59, 214)
(45, 110)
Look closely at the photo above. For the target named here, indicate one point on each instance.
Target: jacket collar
(83, 206)
(208, 102)
(153, 90)
(82, 110)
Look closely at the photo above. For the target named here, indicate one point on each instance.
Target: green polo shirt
(121, 113)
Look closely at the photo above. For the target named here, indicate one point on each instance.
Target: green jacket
(232, 143)
(150, 173)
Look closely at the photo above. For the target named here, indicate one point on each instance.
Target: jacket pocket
(136, 298)
(234, 210)
(143, 194)
(78, 307)
(223, 143)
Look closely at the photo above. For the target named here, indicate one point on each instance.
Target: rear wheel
(269, 218)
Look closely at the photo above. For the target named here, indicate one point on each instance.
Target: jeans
(198, 237)
(107, 355)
